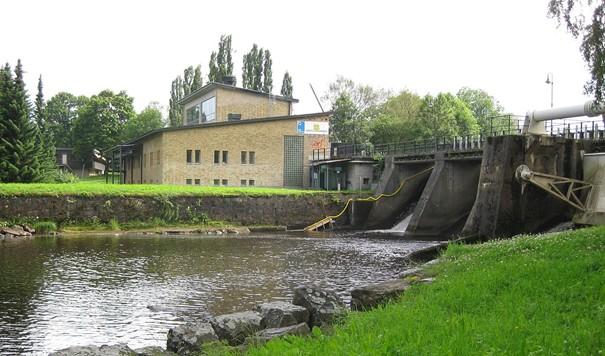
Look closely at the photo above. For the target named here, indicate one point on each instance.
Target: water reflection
(59, 292)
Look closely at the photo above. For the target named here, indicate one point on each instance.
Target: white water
(398, 229)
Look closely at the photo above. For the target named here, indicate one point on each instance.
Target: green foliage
(256, 70)
(445, 116)
(221, 63)
(267, 73)
(44, 227)
(483, 106)
(168, 211)
(529, 295)
(114, 224)
(100, 122)
(396, 119)
(175, 110)
(23, 157)
(286, 86)
(61, 112)
(148, 119)
(61, 176)
(592, 32)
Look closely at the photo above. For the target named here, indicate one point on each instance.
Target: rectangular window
(366, 181)
(188, 181)
(197, 182)
(64, 158)
(243, 182)
(209, 110)
(225, 182)
(244, 157)
(158, 157)
(217, 157)
(192, 116)
(225, 157)
(189, 156)
(150, 159)
(251, 182)
(217, 182)
(251, 157)
(198, 156)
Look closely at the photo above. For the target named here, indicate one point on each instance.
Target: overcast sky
(504, 47)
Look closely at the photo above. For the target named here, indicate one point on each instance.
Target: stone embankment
(310, 307)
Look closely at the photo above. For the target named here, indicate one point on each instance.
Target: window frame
(217, 157)
(225, 157)
(244, 157)
(189, 156)
(197, 156)
(251, 157)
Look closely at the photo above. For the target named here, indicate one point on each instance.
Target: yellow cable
(374, 199)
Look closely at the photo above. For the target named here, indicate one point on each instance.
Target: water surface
(60, 292)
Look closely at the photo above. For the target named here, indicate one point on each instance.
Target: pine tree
(286, 86)
(20, 155)
(175, 112)
(45, 139)
(267, 74)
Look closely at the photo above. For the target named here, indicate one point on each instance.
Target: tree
(197, 81)
(267, 73)
(364, 97)
(175, 111)
(252, 70)
(221, 63)
(592, 32)
(396, 119)
(148, 119)
(39, 106)
(257, 79)
(101, 122)
(483, 106)
(187, 80)
(445, 115)
(61, 112)
(286, 86)
(21, 156)
(45, 139)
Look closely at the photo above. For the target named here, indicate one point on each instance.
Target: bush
(60, 176)
(114, 224)
(45, 227)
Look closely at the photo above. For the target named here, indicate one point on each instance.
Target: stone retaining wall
(289, 211)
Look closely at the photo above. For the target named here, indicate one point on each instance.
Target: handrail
(330, 218)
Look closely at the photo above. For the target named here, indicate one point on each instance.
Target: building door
(293, 161)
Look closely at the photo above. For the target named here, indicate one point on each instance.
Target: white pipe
(533, 120)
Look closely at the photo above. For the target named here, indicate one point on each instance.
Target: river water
(58, 292)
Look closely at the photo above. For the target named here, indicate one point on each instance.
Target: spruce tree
(20, 155)
(39, 112)
(45, 139)
(286, 86)
(267, 74)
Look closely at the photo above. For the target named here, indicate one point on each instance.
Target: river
(57, 292)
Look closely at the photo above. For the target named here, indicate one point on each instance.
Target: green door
(293, 161)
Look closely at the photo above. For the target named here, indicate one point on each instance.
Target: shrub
(114, 224)
(60, 176)
(45, 227)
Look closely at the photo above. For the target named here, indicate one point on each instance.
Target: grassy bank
(540, 294)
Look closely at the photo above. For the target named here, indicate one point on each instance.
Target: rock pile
(16, 232)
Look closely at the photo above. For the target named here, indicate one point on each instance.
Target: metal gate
(293, 161)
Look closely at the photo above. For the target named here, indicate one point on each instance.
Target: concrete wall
(446, 200)
(500, 209)
(357, 171)
(385, 211)
(294, 212)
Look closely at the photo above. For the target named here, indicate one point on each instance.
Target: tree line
(257, 74)
(362, 114)
(30, 134)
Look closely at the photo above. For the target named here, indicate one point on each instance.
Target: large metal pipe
(534, 119)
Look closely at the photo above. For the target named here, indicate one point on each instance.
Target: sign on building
(313, 127)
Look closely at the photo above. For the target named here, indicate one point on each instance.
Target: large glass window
(193, 115)
(209, 109)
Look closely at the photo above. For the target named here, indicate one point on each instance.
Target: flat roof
(214, 85)
(218, 124)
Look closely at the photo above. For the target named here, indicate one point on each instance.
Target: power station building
(230, 137)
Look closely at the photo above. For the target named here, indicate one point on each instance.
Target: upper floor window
(189, 156)
(225, 157)
(192, 115)
(209, 110)
(198, 156)
(217, 157)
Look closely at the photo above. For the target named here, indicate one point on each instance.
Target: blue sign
(300, 127)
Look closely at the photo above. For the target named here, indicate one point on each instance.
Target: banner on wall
(313, 127)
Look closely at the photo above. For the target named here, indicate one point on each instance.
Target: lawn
(97, 186)
(532, 295)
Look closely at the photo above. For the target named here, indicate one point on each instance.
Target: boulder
(91, 350)
(153, 351)
(372, 295)
(281, 314)
(28, 228)
(15, 231)
(234, 328)
(262, 336)
(324, 306)
(189, 338)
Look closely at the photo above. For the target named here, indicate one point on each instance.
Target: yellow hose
(373, 199)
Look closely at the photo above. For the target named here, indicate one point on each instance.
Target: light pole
(550, 80)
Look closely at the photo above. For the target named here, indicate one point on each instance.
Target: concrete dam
(471, 188)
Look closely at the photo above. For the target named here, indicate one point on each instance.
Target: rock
(15, 231)
(301, 329)
(234, 328)
(91, 350)
(232, 231)
(372, 295)
(323, 306)
(153, 351)
(27, 228)
(189, 338)
(281, 314)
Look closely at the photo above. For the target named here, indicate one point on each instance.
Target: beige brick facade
(264, 137)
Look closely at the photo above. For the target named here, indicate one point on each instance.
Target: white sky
(504, 47)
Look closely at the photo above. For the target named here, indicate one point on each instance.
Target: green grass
(96, 187)
(532, 295)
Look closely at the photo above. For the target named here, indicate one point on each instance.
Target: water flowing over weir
(60, 292)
